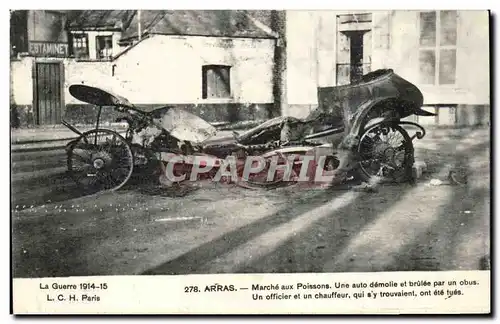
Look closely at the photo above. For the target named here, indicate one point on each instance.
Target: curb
(37, 149)
(35, 145)
(49, 140)
(58, 143)
(30, 137)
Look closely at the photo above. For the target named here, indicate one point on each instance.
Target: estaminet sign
(48, 49)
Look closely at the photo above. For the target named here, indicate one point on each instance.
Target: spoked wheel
(100, 159)
(386, 153)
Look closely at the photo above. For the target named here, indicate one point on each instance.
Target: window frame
(204, 82)
(84, 36)
(437, 47)
(98, 49)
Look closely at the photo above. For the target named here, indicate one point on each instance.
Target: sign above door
(48, 49)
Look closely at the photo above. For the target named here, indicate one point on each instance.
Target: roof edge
(94, 29)
(198, 35)
(144, 37)
(266, 29)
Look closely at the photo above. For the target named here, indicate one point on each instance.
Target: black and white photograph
(148, 143)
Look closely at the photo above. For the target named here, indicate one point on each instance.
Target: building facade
(222, 65)
(37, 35)
(445, 53)
(222, 72)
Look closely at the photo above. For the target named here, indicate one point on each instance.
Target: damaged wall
(168, 69)
(47, 25)
(163, 70)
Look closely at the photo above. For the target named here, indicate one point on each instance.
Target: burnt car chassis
(357, 129)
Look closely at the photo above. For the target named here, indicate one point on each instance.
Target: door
(343, 59)
(357, 54)
(48, 93)
(367, 51)
(354, 42)
(353, 56)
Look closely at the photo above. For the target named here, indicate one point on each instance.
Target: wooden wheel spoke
(116, 155)
(385, 154)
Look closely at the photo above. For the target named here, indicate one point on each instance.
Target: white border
(194, 4)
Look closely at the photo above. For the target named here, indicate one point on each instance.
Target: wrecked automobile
(357, 129)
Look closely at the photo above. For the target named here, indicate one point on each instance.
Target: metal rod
(97, 123)
(139, 29)
(71, 127)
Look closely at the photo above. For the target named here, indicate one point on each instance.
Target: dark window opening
(356, 56)
(19, 32)
(104, 47)
(216, 82)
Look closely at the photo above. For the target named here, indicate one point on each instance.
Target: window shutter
(216, 81)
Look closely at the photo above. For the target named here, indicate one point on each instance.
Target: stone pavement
(226, 229)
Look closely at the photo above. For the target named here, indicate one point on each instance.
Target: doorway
(357, 52)
(354, 45)
(48, 93)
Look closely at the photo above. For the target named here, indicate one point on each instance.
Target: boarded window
(79, 45)
(104, 47)
(216, 81)
(438, 42)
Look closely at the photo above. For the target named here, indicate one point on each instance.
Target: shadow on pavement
(312, 249)
(192, 261)
(312, 243)
(316, 243)
(461, 219)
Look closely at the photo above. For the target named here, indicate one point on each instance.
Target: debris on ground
(418, 169)
(365, 187)
(457, 178)
(435, 182)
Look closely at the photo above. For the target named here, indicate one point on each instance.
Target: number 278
(189, 289)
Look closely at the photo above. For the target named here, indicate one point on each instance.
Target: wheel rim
(385, 151)
(101, 159)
